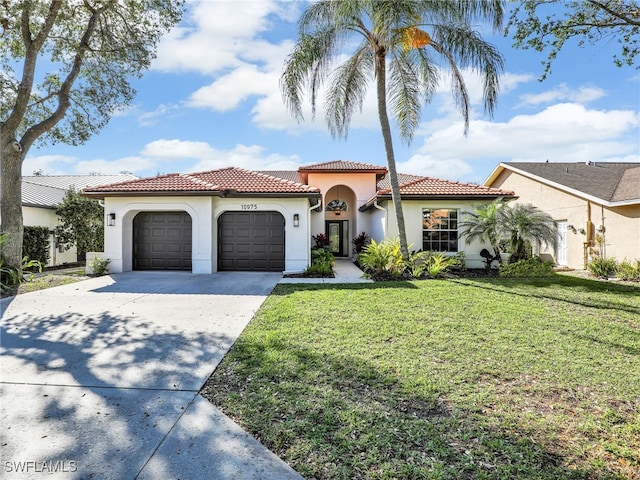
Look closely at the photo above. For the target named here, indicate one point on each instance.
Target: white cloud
(217, 34)
(561, 132)
(202, 157)
(48, 164)
(562, 93)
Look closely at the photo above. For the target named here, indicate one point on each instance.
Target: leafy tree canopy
(81, 223)
(548, 24)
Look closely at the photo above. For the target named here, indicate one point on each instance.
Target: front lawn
(435, 379)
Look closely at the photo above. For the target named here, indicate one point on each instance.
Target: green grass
(33, 284)
(442, 379)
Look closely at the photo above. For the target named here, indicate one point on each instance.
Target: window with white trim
(439, 230)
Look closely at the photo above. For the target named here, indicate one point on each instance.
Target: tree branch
(631, 20)
(32, 47)
(63, 94)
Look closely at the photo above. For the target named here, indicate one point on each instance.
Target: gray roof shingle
(609, 181)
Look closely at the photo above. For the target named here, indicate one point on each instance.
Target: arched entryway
(339, 216)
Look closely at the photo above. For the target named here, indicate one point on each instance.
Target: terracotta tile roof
(428, 186)
(342, 165)
(215, 181)
(403, 178)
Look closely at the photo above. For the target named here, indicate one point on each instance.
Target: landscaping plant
(99, 266)
(628, 271)
(532, 267)
(601, 267)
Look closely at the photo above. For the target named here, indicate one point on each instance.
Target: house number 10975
(249, 206)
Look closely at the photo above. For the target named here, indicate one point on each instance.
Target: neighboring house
(41, 194)
(595, 205)
(236, 219)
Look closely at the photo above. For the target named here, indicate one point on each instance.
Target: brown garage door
(251, 241)
(162, 241)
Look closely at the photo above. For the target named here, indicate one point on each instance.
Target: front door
(561, 252)
(338, 235)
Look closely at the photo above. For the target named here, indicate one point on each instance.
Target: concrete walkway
(100, 379)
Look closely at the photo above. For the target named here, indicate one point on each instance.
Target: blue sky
(212, 99)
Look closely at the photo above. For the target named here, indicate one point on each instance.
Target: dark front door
(337, 232)
(251, 241)
(162, 241)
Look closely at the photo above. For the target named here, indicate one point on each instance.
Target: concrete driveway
(100, 379)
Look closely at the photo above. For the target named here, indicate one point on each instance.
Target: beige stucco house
(237, 219)
(595, 205)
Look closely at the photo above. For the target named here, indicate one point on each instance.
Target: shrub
(418, 263)
(533, 267)
(360, 242)
(321, 262)
(35, 243)
(438, 263)
(628, 271)
(379, 259)
(321, 240)
(100, 266)
(602, 267)
(11, 277)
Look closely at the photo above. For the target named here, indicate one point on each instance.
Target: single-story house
(40, 196)
(596, 205)
(236, 219)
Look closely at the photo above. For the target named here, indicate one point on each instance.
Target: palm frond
(347, 90)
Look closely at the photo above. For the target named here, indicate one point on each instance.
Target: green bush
(384, 258)
(533, 267)
(628, 271)
(602, 267)
(35, 243)
(321, 262)
(99, 266)
(11, 277)
(438, 263)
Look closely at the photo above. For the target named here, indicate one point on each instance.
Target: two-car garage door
(247, 241)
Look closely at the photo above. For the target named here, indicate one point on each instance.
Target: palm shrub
(628, 271)
(601, 267)
(523, 226)
(515, 229)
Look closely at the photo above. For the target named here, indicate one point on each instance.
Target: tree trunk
(381, 79)
(11, 202)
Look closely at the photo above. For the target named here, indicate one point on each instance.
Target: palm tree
(407, 40)
(484, 224)
(524, 225)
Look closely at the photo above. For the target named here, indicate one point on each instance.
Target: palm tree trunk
(381, 86)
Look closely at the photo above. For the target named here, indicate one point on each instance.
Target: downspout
(386, 217)
(309, 230)
(588, 242)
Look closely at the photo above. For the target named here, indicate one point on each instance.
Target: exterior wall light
(296, 220)
(111, 220)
